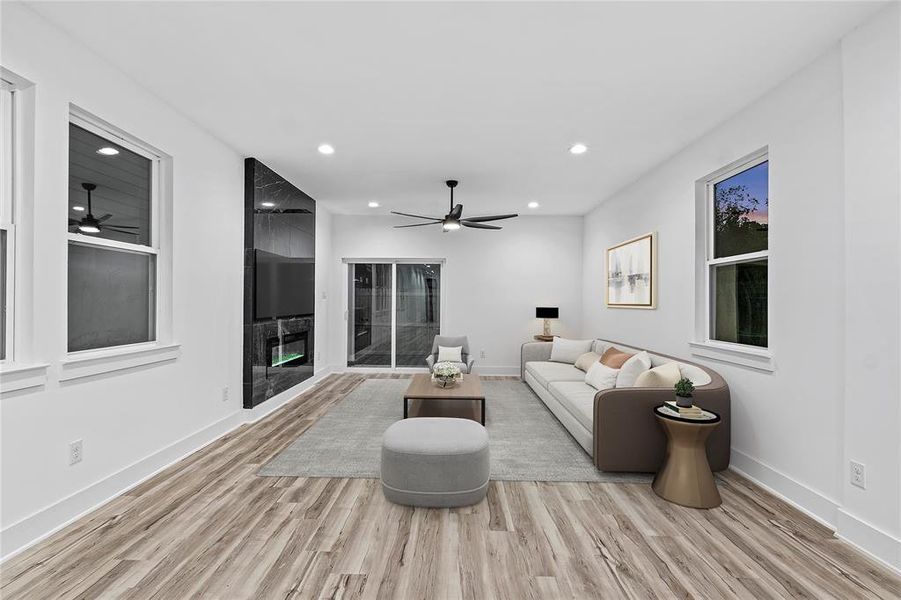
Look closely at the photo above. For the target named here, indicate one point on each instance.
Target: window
(737, 260)
(7, 227)
(113, 238)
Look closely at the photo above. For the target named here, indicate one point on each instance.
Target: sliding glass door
(394, 313)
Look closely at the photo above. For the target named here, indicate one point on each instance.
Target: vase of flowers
(446, 374)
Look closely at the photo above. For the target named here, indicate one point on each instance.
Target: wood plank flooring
(208, 527)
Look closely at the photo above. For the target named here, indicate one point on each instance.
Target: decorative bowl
(446, 374)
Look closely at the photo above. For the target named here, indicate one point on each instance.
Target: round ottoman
(437, 462)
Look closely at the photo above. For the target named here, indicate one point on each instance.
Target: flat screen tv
(284, 286)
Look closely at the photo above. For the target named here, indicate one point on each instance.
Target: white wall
(493, 279)
(133, 421)
(833, 227)
(323, 275)
(872, 215)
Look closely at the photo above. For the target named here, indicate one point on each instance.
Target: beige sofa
(617, 427)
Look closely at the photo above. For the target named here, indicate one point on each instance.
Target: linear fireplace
(287, 350)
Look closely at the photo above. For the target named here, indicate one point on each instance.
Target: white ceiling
(411, 94)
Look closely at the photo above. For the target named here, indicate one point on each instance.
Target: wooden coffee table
(421, 388)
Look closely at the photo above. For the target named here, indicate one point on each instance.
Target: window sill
(760, 359)
(14, 377)
(77, 366)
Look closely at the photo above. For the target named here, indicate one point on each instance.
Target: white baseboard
(508, 370)
(878, 544)
(808, 500)
(36, 527)
(39, 525)
(865, 537)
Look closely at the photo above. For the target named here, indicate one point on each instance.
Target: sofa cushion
(578, 399)
(569, 351)
(632, 368)
(665, 375)
(614, 357)
(601, 377)
(546, 372)
(585, 361)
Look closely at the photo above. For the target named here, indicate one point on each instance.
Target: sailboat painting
(630, 273)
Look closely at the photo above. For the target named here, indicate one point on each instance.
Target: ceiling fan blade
(117, 230)
(122, 226)
(457, 212)
(415, 216)
(104, 218)
(478, 225)
(417, 225)
(488, 218)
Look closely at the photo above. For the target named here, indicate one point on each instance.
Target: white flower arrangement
(446, 374)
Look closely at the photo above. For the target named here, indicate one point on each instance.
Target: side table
(685, 477)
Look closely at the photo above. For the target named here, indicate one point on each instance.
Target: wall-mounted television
(284, 286)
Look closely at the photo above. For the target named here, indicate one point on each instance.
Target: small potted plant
(684, 387)
(446, 374)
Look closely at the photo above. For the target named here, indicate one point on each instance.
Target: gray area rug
(526, 440)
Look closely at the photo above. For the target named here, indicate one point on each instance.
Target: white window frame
(83, 363)
(393, 262)
(7, 211)
(704, 344)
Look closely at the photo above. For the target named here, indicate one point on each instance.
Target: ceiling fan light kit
(453, 220)
(90, 224)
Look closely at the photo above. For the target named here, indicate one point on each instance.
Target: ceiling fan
(452, 220)
(89, 224)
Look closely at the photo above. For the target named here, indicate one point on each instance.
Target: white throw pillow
(601, 377)
(450, 354)
(632, 368)
(569, 351)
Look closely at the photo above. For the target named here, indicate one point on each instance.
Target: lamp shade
(547, 312)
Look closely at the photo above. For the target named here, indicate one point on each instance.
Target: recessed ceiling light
(78, 208)
(373, 204)
(533, 204)
(268, 204)
(108, 151)
(578, 149)
(326, 149)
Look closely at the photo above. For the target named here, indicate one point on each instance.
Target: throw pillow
(632, 368)
(569, 351)
(584, 362)
(614, 357)
(450, 354)
(665, 375)
(601, 377)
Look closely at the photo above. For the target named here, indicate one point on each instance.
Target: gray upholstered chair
(449, 341)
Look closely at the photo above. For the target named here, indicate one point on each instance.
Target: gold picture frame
(630, 273)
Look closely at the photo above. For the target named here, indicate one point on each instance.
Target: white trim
(15, 377)
(86, 363)
(809, 501)
(874, 542)
(735, 354)
(87, 240)
(45, 522)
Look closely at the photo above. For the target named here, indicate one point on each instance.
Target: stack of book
(691, 411)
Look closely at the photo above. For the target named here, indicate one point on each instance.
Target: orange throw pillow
(615, 358)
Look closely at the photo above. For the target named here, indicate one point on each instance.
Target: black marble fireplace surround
(279, 225)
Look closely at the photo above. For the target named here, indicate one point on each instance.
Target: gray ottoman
(438, 462)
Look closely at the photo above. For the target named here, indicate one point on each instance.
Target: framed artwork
(630, 270)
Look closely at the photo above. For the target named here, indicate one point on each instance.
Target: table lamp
(547, 313)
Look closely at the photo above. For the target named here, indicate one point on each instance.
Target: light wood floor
(208, 527)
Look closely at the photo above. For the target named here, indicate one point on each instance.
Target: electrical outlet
(76, 451)
(859, 474)
(482, 354)
(316, 357)
(225, 394)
